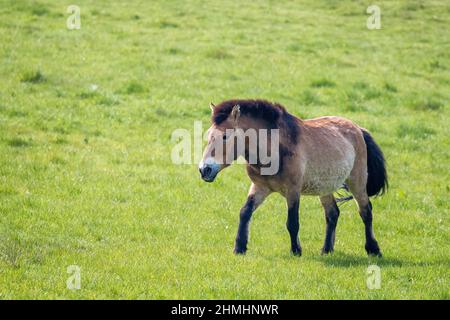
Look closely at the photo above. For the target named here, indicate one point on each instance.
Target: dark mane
(273, 113)
(262, 109)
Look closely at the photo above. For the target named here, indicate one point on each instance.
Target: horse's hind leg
(358, 188)
(331, 217)
(365, 211)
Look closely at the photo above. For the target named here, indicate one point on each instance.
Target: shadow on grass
(344, 260)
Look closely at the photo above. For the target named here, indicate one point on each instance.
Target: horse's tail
(377, 180)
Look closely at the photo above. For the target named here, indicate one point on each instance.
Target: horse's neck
(261, 138)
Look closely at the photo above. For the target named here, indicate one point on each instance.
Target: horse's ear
(236, 112)
(212, 106)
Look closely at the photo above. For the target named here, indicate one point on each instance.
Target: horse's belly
(322, 180)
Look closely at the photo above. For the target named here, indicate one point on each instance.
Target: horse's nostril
(206, 171)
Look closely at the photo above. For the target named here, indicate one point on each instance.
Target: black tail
(377, 180)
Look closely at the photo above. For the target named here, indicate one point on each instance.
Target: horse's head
(220, 151)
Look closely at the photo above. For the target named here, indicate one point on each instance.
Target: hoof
(297, 252)
(373, 250)
(240, 251)
(326, 251)
(375, 254)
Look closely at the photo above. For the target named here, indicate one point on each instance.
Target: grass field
(86, 118)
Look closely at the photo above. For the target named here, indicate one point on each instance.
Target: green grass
(86, 118)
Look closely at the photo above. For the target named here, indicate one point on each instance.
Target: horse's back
(332, 130)
(330, 122)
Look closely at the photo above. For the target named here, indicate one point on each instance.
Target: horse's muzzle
(208, 172)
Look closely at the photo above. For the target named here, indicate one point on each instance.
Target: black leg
(293, 226)
(244, 220)
(331, 218)
(372, 247)
(255, 197)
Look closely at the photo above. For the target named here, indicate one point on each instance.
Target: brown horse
(316, 157)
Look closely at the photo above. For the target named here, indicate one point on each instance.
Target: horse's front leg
(292, 224)
(256, 196)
